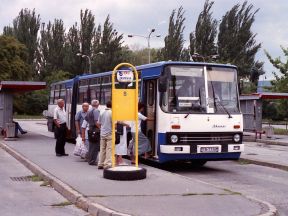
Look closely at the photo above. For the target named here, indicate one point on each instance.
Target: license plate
(209, 149)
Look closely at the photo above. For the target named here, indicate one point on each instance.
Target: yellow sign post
(125, 102)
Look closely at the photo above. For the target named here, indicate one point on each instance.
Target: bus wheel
(124, 173)
(198, 163)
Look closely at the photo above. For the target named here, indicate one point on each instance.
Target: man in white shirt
(60, 130)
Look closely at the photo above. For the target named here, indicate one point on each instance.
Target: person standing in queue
(105, 124)
(60, 130)
(79, 119)
(91, 121)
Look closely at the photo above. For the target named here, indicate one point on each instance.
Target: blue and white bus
(195, 107)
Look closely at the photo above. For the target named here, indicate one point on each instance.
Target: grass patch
(36, 178)
(280, 131)
(232, 192)
(243, 162)
(18, 116)
(62, 204)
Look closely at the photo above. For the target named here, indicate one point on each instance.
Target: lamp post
(148, 41)
(89, 59)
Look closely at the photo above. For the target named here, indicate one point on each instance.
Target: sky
(139, 16)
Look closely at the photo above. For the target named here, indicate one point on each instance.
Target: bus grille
(203, 138)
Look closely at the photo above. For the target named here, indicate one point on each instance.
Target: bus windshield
(186, 90)
(222, 90)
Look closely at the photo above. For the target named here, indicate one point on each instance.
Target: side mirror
(162, 86)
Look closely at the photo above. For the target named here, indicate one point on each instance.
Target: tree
(87, 32)
(72, 62)
(52, 48)
(174, 40)
(25, 28)
(13, 60)
(202, 41)
(236, 41)
(280, 84)
(109, 42)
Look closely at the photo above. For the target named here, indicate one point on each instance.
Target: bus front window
(222, 90)
(186, 90)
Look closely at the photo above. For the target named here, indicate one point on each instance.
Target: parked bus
(195, 107)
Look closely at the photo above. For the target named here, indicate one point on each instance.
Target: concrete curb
(264, 163)
(271, 142)
(65, 190)
(272, 209)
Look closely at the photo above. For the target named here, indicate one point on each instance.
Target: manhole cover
(22, 178)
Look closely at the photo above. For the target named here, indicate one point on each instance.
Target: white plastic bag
(84, 150)
(77, 149)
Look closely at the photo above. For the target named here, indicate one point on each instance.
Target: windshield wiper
(218, 101)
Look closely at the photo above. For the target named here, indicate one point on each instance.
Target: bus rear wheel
(198, 163)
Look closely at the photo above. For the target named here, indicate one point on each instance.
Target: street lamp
(148, 40)
(89, 59)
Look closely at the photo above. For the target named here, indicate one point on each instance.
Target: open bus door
(68, 106)
(150, 87)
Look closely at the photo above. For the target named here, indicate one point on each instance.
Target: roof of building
(21, 86)
(264, 95)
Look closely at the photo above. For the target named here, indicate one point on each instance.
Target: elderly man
(79, 119)
(90, 121)
(60, 130)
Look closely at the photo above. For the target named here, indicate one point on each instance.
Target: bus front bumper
(201, 149)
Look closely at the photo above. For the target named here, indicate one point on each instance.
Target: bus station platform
(162, 193)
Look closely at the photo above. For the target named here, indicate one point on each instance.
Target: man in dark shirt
(90, 121)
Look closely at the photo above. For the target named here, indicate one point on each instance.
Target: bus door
(150, 87)
(68, 106)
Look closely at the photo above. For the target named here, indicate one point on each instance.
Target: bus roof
(159, 64)
(69, 83)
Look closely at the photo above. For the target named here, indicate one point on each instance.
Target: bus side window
(83, 91)
(95, 88)
(51, 97)
(56, 93)
(106, 90)
(63, 92)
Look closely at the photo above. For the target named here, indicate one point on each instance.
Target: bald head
(95, 103)
(60, 103)
(85, 107)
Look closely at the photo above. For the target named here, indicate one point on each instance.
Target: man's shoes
(100, 167)
(23, 132)
(65, 154)
(58, 155)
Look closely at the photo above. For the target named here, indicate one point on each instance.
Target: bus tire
(198, 163)
(125, 173)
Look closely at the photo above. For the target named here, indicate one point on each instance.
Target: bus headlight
(174, 138)
(237, 138)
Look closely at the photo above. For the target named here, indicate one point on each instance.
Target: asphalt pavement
(21, 196)
(162, 193)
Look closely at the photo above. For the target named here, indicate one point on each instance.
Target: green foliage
(280, 84)
(202, 41)
(13, 60)
(57, 75)
(25, 28)
(174, 40)
(51, 54)
(72, 62)
(236, 41)
(31, 103)
(109, 42)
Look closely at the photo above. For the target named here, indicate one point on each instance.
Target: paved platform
(266, 154)
(162, 193)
